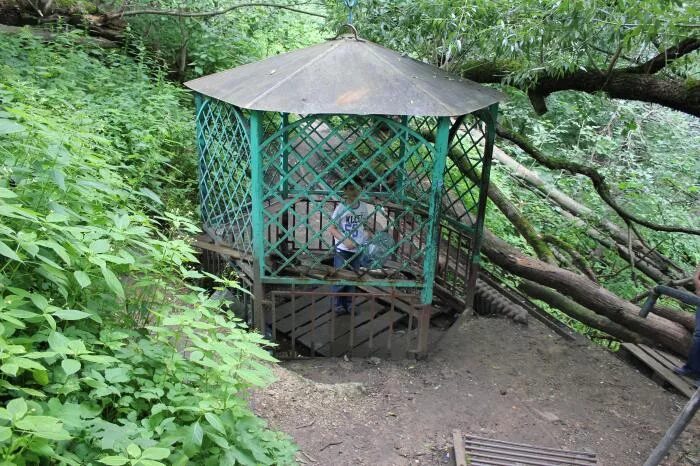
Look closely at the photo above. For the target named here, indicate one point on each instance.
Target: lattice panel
(463, 169)
(308, 163)
(224, 166)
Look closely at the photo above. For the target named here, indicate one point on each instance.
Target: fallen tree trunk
(686, 319)
(585, 292)
(580, 313)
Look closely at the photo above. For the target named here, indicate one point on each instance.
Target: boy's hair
(355, 183)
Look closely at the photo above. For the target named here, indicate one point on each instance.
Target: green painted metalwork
(270, 181)
(437, 183)
(327, 152)
(257, 191)
(224, 173)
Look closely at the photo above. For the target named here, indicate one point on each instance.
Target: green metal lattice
(269, 182)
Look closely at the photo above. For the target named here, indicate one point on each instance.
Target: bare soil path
(489, 377)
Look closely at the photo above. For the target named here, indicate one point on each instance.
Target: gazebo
(280, 139)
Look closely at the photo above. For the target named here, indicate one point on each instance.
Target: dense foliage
(108, 352)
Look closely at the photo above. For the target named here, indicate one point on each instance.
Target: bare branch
(596, 178)
(208, 14)
(666, 57)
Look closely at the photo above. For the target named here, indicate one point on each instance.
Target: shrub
(107, 352)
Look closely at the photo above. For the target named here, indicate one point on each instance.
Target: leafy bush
(107, 353)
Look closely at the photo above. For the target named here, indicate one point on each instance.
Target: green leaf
(155, 453)
(99, 246)
(8, 252)
(39, 301)
(44, 426)
(197, 434)
(10, 369)
(17, 408)
(215, 422)
(251, 377)
(70, 366)
(99, 359)
(5, 433)
(113, 460)
(219, 440)
(58, 342)
(113, 282)
(40, 377)
(82, 278)
(151, 195)
(133, 450)
(9, 127)
(71, 314)
(7, 193)
(143, 462)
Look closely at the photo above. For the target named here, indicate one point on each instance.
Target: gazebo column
(257, 221)
(436, 187)
(488, 116)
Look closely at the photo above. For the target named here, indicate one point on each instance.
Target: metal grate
(486, 452)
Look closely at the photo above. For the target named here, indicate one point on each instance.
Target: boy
(349, 222)
(692, 366)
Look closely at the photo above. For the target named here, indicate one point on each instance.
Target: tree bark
(586, 293)
(580, 313)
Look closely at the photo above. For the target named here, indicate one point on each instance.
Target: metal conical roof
(346, 76)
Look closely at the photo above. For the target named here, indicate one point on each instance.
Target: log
(580, 313)
(686, 319)
(585, 292)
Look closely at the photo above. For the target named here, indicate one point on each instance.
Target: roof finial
(350, 4)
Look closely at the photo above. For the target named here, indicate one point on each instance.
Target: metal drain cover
(486, 452)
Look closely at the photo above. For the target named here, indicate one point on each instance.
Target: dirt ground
(488, 377)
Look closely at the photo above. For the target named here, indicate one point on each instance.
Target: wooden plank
(399, 303)
(380, 331)
(458, 444)
(332, 337)
(284, 311)
(313, 310)
(663, 356)
(315, 333)
(676, 381)
(364, 319)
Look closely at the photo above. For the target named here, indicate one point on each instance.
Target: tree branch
(596, 178)
(207, 14)
(663, 59)
(637, 82)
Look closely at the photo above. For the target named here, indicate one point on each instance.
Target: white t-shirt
(351, 223)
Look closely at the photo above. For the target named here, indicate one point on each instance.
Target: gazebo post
(258, 225)
(436, 187)
(489, 117)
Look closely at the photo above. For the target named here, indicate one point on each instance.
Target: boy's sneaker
(685, 372)
(341, 311)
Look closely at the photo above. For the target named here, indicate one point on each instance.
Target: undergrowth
(108, 352)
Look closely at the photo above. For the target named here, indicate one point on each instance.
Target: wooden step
(332, 338)
(662, 364)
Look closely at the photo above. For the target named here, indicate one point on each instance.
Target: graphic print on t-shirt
(351, 223)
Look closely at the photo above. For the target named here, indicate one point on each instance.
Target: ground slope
(490, 377)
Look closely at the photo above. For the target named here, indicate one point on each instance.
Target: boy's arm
(340, 237)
